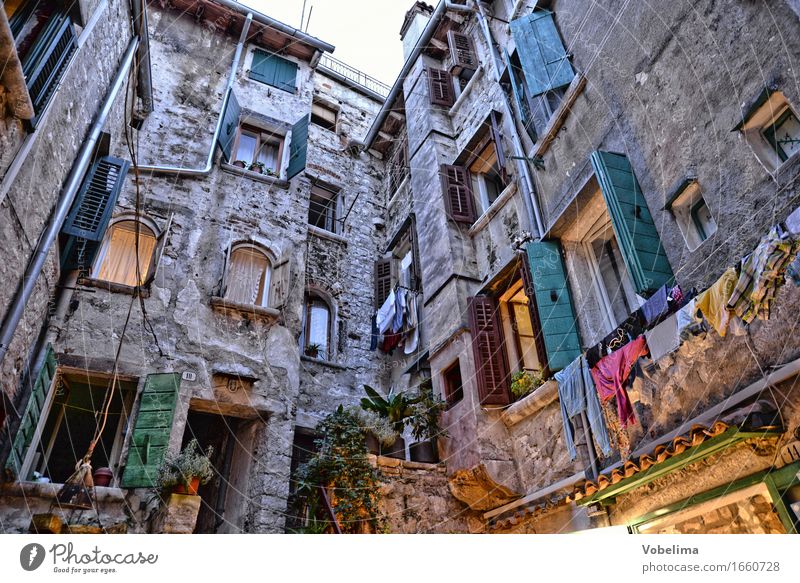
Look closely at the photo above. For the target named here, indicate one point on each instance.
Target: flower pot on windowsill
(240, 164)
(373, 445)
(102, 477)
(397, 450)
(312, 351)
(256, 167)
(424, 451)
(190, 490)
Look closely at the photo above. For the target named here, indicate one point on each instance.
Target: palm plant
(396, 407)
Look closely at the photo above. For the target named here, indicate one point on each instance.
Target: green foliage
(312, 350)
(373, 423)
(340, 465)
(525, 382)
(396, 407)
(427, 411)
(181, 468)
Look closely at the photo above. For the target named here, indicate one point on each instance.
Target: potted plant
(102, 477)
(396, 408)
(378, 432)
(270, 172)
(184, 472)
(525, 382)
(425, 426)
(312, 350)
(257, 167)
(240, 164)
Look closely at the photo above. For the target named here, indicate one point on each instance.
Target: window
(783, 134)
(118, 261)
(322, 209)
(260, 150)
(248, 277)
(772, 128)
(464, 61)
(487, 179)
(398, 166)
(273, 70)
(400, 266)
(517, 320)
(324, 115)
(453, 385)
(317, 327)
(692, 214)
(440, 87)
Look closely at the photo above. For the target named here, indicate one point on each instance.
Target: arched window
(117, 260)
(248, 276)
(317, 323)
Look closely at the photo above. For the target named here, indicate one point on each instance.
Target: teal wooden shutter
(32, 415)
(151, 431)
(298, 148)
(274, 70)
(92, 208)
(633, 225)
(544, 60)
(554, 304)
(230, 125)
(521, 98)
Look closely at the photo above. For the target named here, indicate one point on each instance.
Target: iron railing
(354, 75)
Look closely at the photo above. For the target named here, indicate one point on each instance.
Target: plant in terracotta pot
(102, 477)
(240, 164)
(312, 350)
(396, 408)
(184, 472)
(257, 167)
(378, 432)
(424, 423)
(525, 382)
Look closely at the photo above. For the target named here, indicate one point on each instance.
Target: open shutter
(384, 275)
(633, 225)
(33, 413)
(440, 86)
(92, 208)
(151, 430)
(521, 99)
(298, 147)
(541, 53)
(462, 52)
(491, 362)
(553, 303)
(281, 283)
(158, 252)
(457, 191)
(533, 310)
(497, 137)
(230, 125)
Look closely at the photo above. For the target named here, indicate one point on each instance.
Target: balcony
(353, 77)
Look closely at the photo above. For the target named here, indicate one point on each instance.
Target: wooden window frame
(769, 131)
(310, 297)
(266, 282)
(452, 395)
(146, 271)
(336, 198)
(260, 133)
(315, 119)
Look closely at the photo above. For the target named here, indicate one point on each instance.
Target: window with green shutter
(521, 95)
(151, 430)
(298, 147)
(273, 70)
(553, 303)
(544, 59)
(230, 126)
(633, 224)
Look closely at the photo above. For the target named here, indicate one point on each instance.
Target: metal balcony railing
(358, 77)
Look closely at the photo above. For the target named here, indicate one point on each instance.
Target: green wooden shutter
(92, 208)
(151, 431)
(544, 60)
(230, 124)
(553, 303)
(274, 70)
(633, 225)
(32, 415)
(521, 98)
(298, 148)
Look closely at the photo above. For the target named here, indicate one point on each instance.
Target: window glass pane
(318, 323)
(322, 209)
(247, 147)
(116, 261)
(787, 135)
(248, 277)
(525, 339)
(269, 156)
(611, 269)
(706, 226)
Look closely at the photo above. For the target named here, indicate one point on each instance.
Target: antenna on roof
(303, 15)
(308, 20)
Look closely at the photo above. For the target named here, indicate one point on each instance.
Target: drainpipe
(145, 74)
(205, 170)
(532, 201)
(71, 186)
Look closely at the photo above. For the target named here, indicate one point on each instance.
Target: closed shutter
(92, 208)
(273, 70)
(151, 430)
(544, 60)
(440, 86)
(521, 99)
(280, 284)
(298, 148)
(633, 225)
(384, 275)
(457, 191)
(497, 137)
(33, 413)
(491, 362)
(158, 252)
(553, 303)
(230, 125)
(462, 52)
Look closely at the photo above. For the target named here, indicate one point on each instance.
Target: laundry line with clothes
(395, 325)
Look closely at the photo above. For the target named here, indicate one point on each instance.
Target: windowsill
(786, 166)
(530, 404)
(322, 362)
(252, 175)
(324, 234)
(225, 306)
(493, 209)
(467, 90)
(113, 287)
(28, 489)
(559, 116)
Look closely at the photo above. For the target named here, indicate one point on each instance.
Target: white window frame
(103, 251)
(682, 209)
(266, 295)
(762, 118)
(251, 126)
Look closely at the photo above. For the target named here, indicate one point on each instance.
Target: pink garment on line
(611, 373)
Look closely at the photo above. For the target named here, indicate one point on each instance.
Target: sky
(366, 33)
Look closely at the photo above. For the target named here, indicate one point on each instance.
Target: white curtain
(117, 262)
(248, 277)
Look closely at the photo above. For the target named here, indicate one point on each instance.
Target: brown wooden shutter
(491, 362)
(416, 272)
(462, 51)
(457, 190)
(441, 87)
(383, 280)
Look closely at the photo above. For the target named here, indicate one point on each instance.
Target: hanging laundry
(611, 374)
(676, 296)
(656, 307)
(713, 303)
(761, 274)
(390, 341)
(631, 328)
(399, 310)
(385, 315)
(412, 336)
(375, 334)
(793, 271)
(663, 338)
(576, 393)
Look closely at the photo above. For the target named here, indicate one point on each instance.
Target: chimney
(414, 23)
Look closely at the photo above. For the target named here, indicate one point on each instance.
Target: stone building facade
(537, 173)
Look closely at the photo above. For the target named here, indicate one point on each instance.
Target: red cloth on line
(611, 373)
(390, 341)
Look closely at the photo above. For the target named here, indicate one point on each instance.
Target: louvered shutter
(441, 87)
(462, 52)
(298, 148)
(384, 275)
(151, 430)
(521, 99)
(633, 225)
(274, 70)
(554, 304)
(92, 208)
(544, 60)
(230, 125)
(158, 252)
(32, 415)
(497, 138)
(457, 191)
(491, 361)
